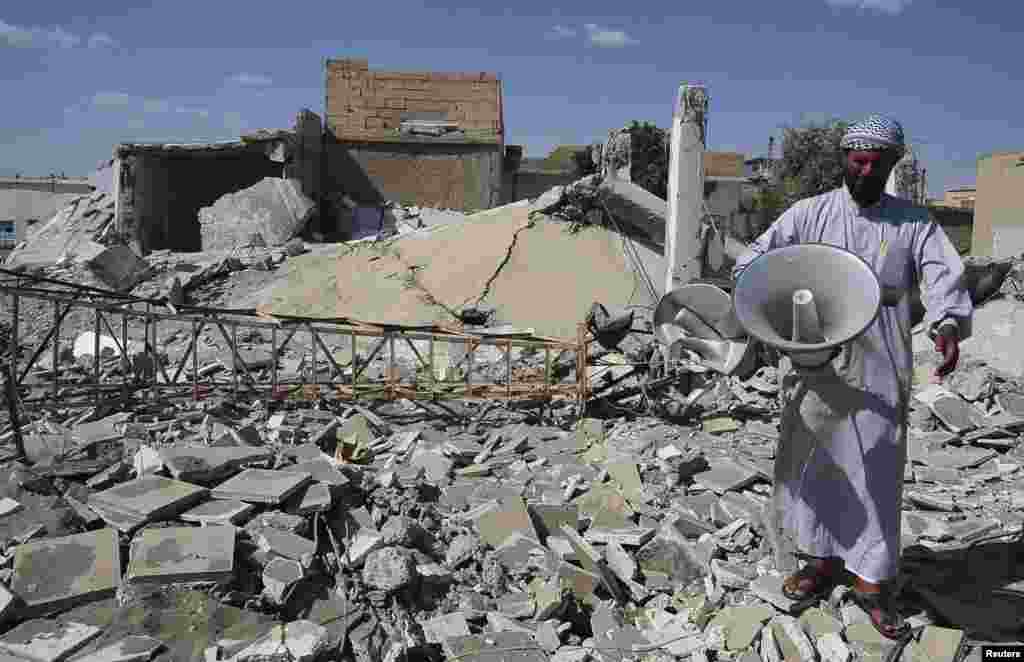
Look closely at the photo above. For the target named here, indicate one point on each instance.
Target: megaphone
(807, 300)
(700, 317)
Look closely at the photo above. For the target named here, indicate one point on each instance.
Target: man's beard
(865, 190)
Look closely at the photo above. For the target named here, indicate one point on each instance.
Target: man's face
(866, 174)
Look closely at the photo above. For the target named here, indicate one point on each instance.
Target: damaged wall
(445, 176)
(999, 206)
(371, 160)
(163, 187)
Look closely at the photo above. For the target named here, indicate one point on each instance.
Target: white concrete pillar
(685, 187)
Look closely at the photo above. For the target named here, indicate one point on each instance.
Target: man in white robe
(839, 466)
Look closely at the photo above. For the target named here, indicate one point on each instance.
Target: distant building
(961, 198)
(27, 201)
(999, 206)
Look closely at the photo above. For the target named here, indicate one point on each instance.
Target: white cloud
(119, 101)
(560, 32)
(101, 40)
(18, 36)
(605, 38)
(254, 80)
(887, 6)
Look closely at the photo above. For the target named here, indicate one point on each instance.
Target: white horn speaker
(700, 317)
(807, 300)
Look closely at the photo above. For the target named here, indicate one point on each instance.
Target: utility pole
(685, 187)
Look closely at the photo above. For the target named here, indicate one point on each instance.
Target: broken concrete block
(390, 569)
(631, 537)
(286, 544)
(793, 642)
(46, 640)
(9, 506)
(57, 573)
(275, 208)
(547, 636)
(732, 575)
(261, 486)
(832, 648)
(548, 518)
(506, 517)
(817, 623)
(119, 267)
(317, 499)
(183, 554)
(279, 576)
(439, 628)
(218, 511)
(669, 553)
(940, 644)
(461, 549)
(133, 648)
(726, 475)
(147, 461)
(298, 641)
(493, 647)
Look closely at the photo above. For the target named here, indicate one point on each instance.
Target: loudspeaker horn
(807, 300)
(724, 356)
(697, 310)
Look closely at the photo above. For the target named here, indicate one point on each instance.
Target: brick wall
(466, 177)
(369, 105)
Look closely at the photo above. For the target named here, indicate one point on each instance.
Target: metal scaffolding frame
(145, 371)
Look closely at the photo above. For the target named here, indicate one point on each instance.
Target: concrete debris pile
(87, 218)
(281, 530)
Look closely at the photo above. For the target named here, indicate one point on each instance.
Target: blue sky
(73, 85)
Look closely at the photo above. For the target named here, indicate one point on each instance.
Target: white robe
(842, 450)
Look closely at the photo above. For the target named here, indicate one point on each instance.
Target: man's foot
(876, 601)
(815, 580)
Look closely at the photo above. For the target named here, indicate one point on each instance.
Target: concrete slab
(56, 573)
(443, 627)
(183, 554)
(135, 648)
(493, 647)
(262, 486)
(317, 499)
(148, 498)
(273, 207)
(210, 463)
(288, 545)
(726, 475)
(217, 511)
(47, 641)
(321, 470)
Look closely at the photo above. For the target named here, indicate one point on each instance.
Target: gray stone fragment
(389, 569)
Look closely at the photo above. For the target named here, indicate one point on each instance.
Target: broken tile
(146, 499)
(209, 463)
(182, 554)
(725, 475)
(217, 511)
(57, 573)
(286, 544)
(47, 641)
(261, 486)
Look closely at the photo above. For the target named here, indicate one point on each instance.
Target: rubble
(274, 208)
(47, 641)
(405, 528)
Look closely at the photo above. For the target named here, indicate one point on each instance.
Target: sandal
(884, 617)
(822, 579)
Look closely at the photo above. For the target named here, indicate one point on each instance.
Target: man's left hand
(947, 343)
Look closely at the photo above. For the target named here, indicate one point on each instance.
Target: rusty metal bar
(415, 351)
(369, 359)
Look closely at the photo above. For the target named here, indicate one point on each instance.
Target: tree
(812, 162)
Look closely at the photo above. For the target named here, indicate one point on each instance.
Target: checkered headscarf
(874, 132)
